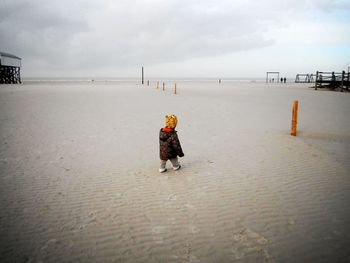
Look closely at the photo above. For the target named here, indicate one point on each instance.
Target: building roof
(8, 55)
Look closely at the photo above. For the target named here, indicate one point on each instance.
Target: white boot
(177, 167)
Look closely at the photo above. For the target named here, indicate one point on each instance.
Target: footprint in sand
(193, 229)
(247, 242)
(189, 206)
(158, 229)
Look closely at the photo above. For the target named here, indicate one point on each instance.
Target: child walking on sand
(169, 144)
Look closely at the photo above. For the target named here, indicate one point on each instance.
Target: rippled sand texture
(79, 174)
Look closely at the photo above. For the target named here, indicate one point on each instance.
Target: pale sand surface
(79, 174)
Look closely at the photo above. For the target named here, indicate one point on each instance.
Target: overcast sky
(176, 38)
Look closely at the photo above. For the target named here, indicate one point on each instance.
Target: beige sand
(79, 174)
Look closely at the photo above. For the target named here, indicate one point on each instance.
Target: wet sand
(79, 173)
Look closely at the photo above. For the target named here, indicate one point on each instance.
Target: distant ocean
(132, 79)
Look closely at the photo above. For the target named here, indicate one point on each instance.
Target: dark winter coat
(169, 145)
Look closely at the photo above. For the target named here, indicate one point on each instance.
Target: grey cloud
(34, 30)
(100, 34)
(176, 32)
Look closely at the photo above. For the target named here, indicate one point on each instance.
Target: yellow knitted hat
(170, 121)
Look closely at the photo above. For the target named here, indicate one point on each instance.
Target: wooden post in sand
(293, 131)
(142, 77)
(163, 86)
(175, 89)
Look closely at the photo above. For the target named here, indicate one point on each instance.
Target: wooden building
(10, 67)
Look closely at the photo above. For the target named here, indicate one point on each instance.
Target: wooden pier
(304, 78)
(10, 67)
(332, 80)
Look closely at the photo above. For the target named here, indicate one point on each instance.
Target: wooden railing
(332, 80)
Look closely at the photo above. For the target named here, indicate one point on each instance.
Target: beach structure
(304, 78)
(332, 80)
(273, 73)
(10, 66)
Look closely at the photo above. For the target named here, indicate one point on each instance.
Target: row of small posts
(163, 86)
(142, 81)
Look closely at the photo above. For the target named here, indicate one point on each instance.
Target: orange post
(293, 131)
(175, 89)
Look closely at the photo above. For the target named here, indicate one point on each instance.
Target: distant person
(169, 144)
(273, 80)
(281, 80)
(284, 80)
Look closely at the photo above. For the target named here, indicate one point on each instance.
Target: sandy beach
(80, 183)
